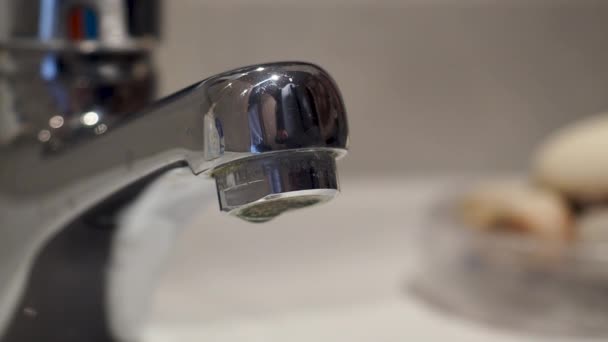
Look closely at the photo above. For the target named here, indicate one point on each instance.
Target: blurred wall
(431, 86)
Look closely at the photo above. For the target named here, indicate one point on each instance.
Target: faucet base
(65, 299)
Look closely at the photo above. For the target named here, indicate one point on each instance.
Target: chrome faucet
(80, 142)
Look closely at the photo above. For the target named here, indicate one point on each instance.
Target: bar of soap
(519, 207)
(574, 160)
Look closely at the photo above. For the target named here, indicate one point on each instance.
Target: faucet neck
(271, 111)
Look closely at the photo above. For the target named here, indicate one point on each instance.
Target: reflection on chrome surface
(80, 139)
(230, 116)
(289, 117)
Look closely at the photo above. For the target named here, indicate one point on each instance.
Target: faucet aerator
(260, 188)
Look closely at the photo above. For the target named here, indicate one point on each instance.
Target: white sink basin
(338, 272)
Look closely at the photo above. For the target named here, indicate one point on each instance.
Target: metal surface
(75, 79)
(227, 117)
(253, 112)
(259, 189)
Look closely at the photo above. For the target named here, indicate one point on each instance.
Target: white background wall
(430, 85)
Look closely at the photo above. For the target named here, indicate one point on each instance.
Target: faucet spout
(269, 134)
(248, 112)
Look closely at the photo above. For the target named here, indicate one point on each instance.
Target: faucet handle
(86, 25)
